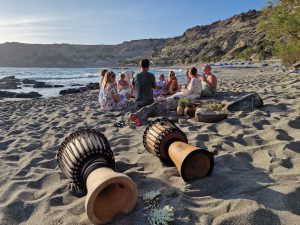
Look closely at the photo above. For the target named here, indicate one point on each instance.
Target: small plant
(183, 102)
(213, 106)
(164, 216)
(152, 198)
(245, 54)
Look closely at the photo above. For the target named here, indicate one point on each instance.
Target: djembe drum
(86, 159)
(165, 140)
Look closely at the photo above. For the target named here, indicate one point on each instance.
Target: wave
(63, 78)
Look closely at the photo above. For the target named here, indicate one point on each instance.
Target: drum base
(109, 194)
(192, 162)
(196, 165)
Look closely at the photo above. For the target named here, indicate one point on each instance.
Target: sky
(110, 21)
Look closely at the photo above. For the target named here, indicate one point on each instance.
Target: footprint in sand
(33, 146)
(17, 212)
(12, 157)
(292, 201)
(4, 145)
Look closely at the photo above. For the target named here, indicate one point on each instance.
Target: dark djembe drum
(87, 160)
(165, 140)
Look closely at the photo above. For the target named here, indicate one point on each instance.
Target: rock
(10, 82)
(92, 86)
(28, 81)
(42, 85)
(39, 84)
(246, 103)
(8, 94)
(73, 85)
(69, 91)
(31, 94)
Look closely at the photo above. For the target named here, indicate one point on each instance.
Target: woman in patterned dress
(111, 100)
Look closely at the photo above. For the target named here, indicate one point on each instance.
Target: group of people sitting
(143, 87)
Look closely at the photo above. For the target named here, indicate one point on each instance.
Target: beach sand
(256, 179)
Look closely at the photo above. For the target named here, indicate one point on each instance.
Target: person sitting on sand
(160, 86)
(144, 83)
(172, 83)
(111, 99)
(193, 89)
(187, 76)
(101, 76)
(209, 82)
(124, 86)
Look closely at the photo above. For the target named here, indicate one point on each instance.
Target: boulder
(8, 94)
(42, 85)
(246, 103)
(69, 91)
(31, 94)
(92, 86)
(10, 82)
(28, 81)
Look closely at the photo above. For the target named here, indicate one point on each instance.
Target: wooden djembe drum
(86, 159)
(165, 140)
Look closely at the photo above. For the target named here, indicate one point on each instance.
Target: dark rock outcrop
(70, 91)
(28, 81)
(39, 84)
(42, 85)
(90, 86)
(10, 82)
(31, 94)
(8, 94)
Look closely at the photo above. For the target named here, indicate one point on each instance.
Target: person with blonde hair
(111, 100)
(101, 76)
(209, 82)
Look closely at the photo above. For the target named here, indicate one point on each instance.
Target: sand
(256, 179)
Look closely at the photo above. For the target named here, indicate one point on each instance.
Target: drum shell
(81, 149)
(158, 136)
(192, 162)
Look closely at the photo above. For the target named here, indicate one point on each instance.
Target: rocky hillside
(66, 55)
(223, 40)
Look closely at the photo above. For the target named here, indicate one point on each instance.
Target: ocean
(67, 77)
